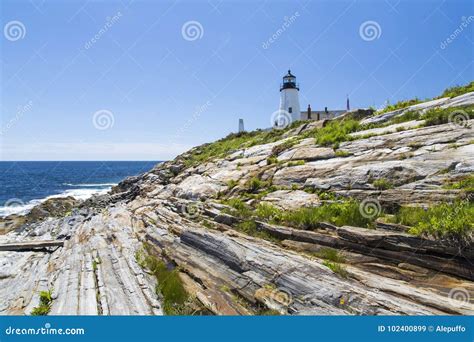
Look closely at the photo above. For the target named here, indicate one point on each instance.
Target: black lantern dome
(289, 82)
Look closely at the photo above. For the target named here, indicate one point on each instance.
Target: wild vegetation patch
(382, 184)
(466, 183)
(176, 300)
(458, 90)
(400, 105)
(445, 220)
(441, 116)
(44, 307)
(336, 268)
(330, 254)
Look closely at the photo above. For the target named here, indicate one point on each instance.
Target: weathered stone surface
(292, 199)
(197, 186)
(174, 209)
(307, 153)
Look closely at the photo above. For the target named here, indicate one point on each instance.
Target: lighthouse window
(290, 110)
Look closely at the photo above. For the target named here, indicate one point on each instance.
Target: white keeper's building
(290, 105)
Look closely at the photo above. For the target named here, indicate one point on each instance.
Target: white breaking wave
(79, 194)
(87, 185)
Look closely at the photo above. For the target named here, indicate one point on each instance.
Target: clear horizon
(145, 81)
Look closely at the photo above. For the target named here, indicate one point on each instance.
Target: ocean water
(25, 184)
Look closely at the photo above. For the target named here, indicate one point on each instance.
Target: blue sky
(167, 90)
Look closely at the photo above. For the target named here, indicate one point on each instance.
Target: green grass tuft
(330, 254)
(340, 213)
(169, 284)
(452, 221)
(336, 268)
(46, 300)
(382, 184)
(441, 116)
(458, 90)
(466, 184)
(408, 116)
(336, 132)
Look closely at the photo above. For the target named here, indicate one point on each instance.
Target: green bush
(339, 214)
(342, 153)
(400, 105)
(232, 183)
(169, 285)
(250, 227)
(382, 184)
(336, 132)
(255, 184)
(295, 163)
(286, 145)
(44, 307)
(408, 116)
(330, 254)
(241, 209)
(466, 184)
(336, 268)
(268, 212)
(235, 141)
(441, 116)
(458, 90)
(452, 221)
(272, 160)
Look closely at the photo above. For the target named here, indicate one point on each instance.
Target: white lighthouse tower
(289, 97)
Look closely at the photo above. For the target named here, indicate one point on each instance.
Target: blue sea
(25, 184)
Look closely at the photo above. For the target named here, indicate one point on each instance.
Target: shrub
(241, 209)
(250, 227)
(232, 142)
(272, 160)
(44, 307)
(330, 254)
(400, 105)
(382, 184)
(441, 116)
(295, 163)
(268, 212)
(408, 116)
(255, 184)
(342, 153)
(466, 183)
(232, 183)
(169, 284)
(336, 268)
(339, 214)
(276, 150)
(458, 90)
(452, 221)
(336, 132)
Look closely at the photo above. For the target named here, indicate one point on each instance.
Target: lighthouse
(289, 97)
